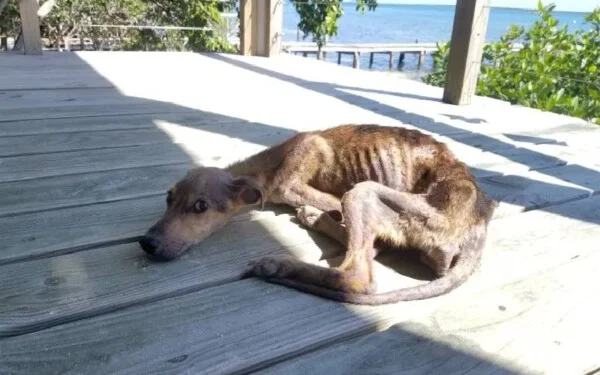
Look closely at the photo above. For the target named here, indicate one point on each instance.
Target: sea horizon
(408, 23)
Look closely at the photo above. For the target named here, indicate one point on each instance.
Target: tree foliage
(556, 70)
(9, 19)
(76, 17)
(319, 18)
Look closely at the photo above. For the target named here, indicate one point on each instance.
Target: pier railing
(357, 50)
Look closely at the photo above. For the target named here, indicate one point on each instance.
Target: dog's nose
(149, 244)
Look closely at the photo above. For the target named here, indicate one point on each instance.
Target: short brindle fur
(355, 183)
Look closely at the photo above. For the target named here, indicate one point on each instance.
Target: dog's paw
(269, 267)
(309, 216)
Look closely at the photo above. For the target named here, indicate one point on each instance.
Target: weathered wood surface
(176, 134)
(402, 349)
(534, 190)
(62, 163)
(184, 334)
(530, 315)
(56, 111)
(112, 122)
(539, 261)
(47, 233)
(87, 188)
(222, 258)
(88, 283)
(75, 201)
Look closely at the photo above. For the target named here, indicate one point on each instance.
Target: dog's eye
(169, 198)
(200, 206)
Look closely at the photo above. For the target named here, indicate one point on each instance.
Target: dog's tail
(465, 265)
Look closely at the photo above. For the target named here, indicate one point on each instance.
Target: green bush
(555, 70)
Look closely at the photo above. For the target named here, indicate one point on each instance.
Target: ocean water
(391, 23)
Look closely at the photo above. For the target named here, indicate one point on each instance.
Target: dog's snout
(148, 244)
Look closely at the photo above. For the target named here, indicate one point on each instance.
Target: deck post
(466, 50)
(261, 25)
(371, 60)
(356, 62)
(339, 58)
(391, 60)
(30, 25)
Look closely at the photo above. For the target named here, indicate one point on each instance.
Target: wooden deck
(89, 143)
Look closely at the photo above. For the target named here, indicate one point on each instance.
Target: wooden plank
(81, 189)
(402, 349)
(524, 191)
(30, 24)
(466, 50)
(47, 165)
(523, 324)
(48, 233)
(112, 122)
(65, 230)
(61, 99)
(534, 190)
(203, 331)
(129, 107)
(89, 283)
(223, 256)
(73, 95)
(519, 328)
(580, 138)
(514, 160)
(156, 133)
(50, 143)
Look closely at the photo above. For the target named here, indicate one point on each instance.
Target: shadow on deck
(77, 293)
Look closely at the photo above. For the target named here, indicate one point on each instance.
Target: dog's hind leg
(371, 210)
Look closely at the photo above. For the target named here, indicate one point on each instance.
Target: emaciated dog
(355, 183)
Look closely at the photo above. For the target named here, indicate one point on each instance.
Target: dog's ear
(248, 191)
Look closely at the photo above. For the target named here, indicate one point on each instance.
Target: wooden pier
(357, 50)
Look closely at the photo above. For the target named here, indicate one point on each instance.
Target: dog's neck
(261, 166)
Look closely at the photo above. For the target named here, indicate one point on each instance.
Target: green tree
(10, 21)
(199, 14)
(555, 70)
(319, 18)
(67, 18)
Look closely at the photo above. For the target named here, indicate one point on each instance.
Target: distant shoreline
(493, 7)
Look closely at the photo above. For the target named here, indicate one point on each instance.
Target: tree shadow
(75, 281)
(525, 156)
(466, 119)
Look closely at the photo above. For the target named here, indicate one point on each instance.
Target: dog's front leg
(297, 194)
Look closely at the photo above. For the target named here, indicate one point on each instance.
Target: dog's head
(197, 206)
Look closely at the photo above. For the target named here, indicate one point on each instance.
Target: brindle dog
(357, 184)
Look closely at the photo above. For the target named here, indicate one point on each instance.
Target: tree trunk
(42, 12)
(18, 46)
(3, 43)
